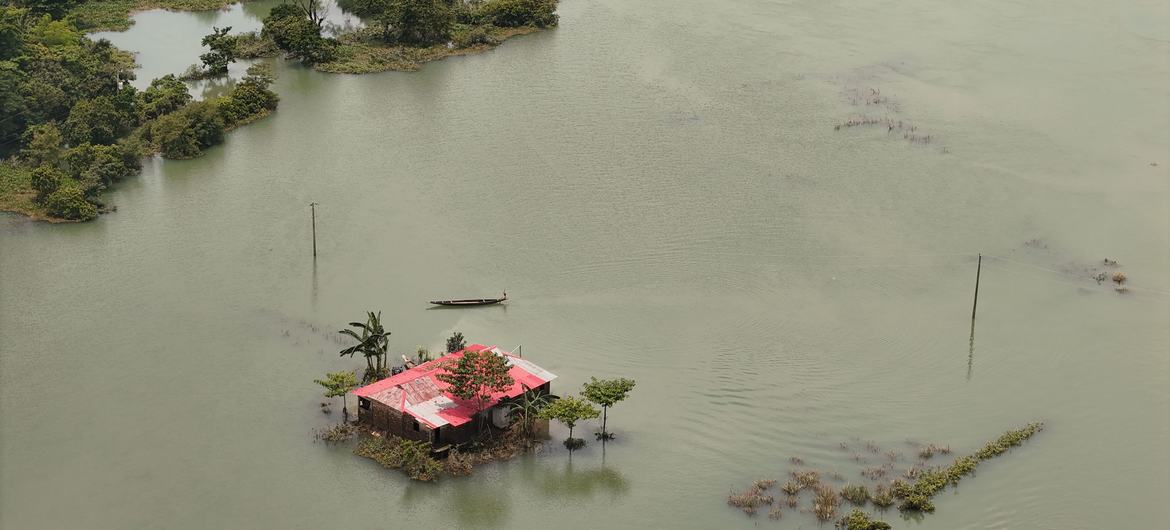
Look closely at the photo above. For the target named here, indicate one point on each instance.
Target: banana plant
(372, 343)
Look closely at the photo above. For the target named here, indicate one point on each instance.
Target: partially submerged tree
(570, 410)
(372, 344)
(223, 51)
(475, 376)
(338, 384)
(606, 393)
(456, 342)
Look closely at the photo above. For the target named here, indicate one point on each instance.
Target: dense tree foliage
(222, 51)
(79, 126)
(516, 13)
(292, 29)
(416, 22)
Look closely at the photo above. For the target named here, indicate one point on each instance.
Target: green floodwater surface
(660, 189)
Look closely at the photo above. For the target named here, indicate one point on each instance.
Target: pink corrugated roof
(420, 386)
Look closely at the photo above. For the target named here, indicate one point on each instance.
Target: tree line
(296, 27)
(73, 122)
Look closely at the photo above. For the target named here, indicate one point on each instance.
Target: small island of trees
(476, 377)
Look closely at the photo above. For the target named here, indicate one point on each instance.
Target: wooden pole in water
(975, 304)
(313, 207)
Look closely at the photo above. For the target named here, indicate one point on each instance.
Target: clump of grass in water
(791, 488)
(873, 473)
(916, 496)
(825, 503)
(774, 514)
(929, 450)
(751, 498)
(806, 478)
(883, 497)
(335, 434)
(855, 493)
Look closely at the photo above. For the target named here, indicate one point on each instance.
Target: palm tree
(372, 343)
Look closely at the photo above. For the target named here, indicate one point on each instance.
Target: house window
(416, 426)
(364, 403)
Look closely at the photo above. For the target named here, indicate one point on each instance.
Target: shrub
(476, 36)
(883, 497)
(458, 463)
(749, 499)
(185, 133)
(45, 180)
(414, 458)
(806, 478)
(859, 520)
(68, 202)
(791, 487)
(855, 493)
(825, 503)
(337, 433)
(516, 13)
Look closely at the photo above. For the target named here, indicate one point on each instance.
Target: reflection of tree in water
(572, 481)
(479, 505)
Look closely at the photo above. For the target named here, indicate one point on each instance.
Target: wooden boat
(471, 301)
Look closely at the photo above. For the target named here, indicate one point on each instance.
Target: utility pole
(313, 208)
(975, 304)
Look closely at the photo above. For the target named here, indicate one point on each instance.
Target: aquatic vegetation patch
(883, 497)
(412, 457)
(859, 520)
(916, 496)
(751, 498)
(825, 502)
(855, 493)
(913, 493)
(335, 434)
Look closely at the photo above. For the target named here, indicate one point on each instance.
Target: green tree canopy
(569, 410)
(455, 342)
(291, 29)
(475, 375)
(606, 393)
(416, 22)
(222, 51)
(338, 384)
(516, 13)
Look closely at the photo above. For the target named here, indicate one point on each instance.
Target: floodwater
(660, 189)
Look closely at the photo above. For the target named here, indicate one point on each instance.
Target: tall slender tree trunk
(604, 416)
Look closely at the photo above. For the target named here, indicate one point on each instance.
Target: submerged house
(415, 405)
